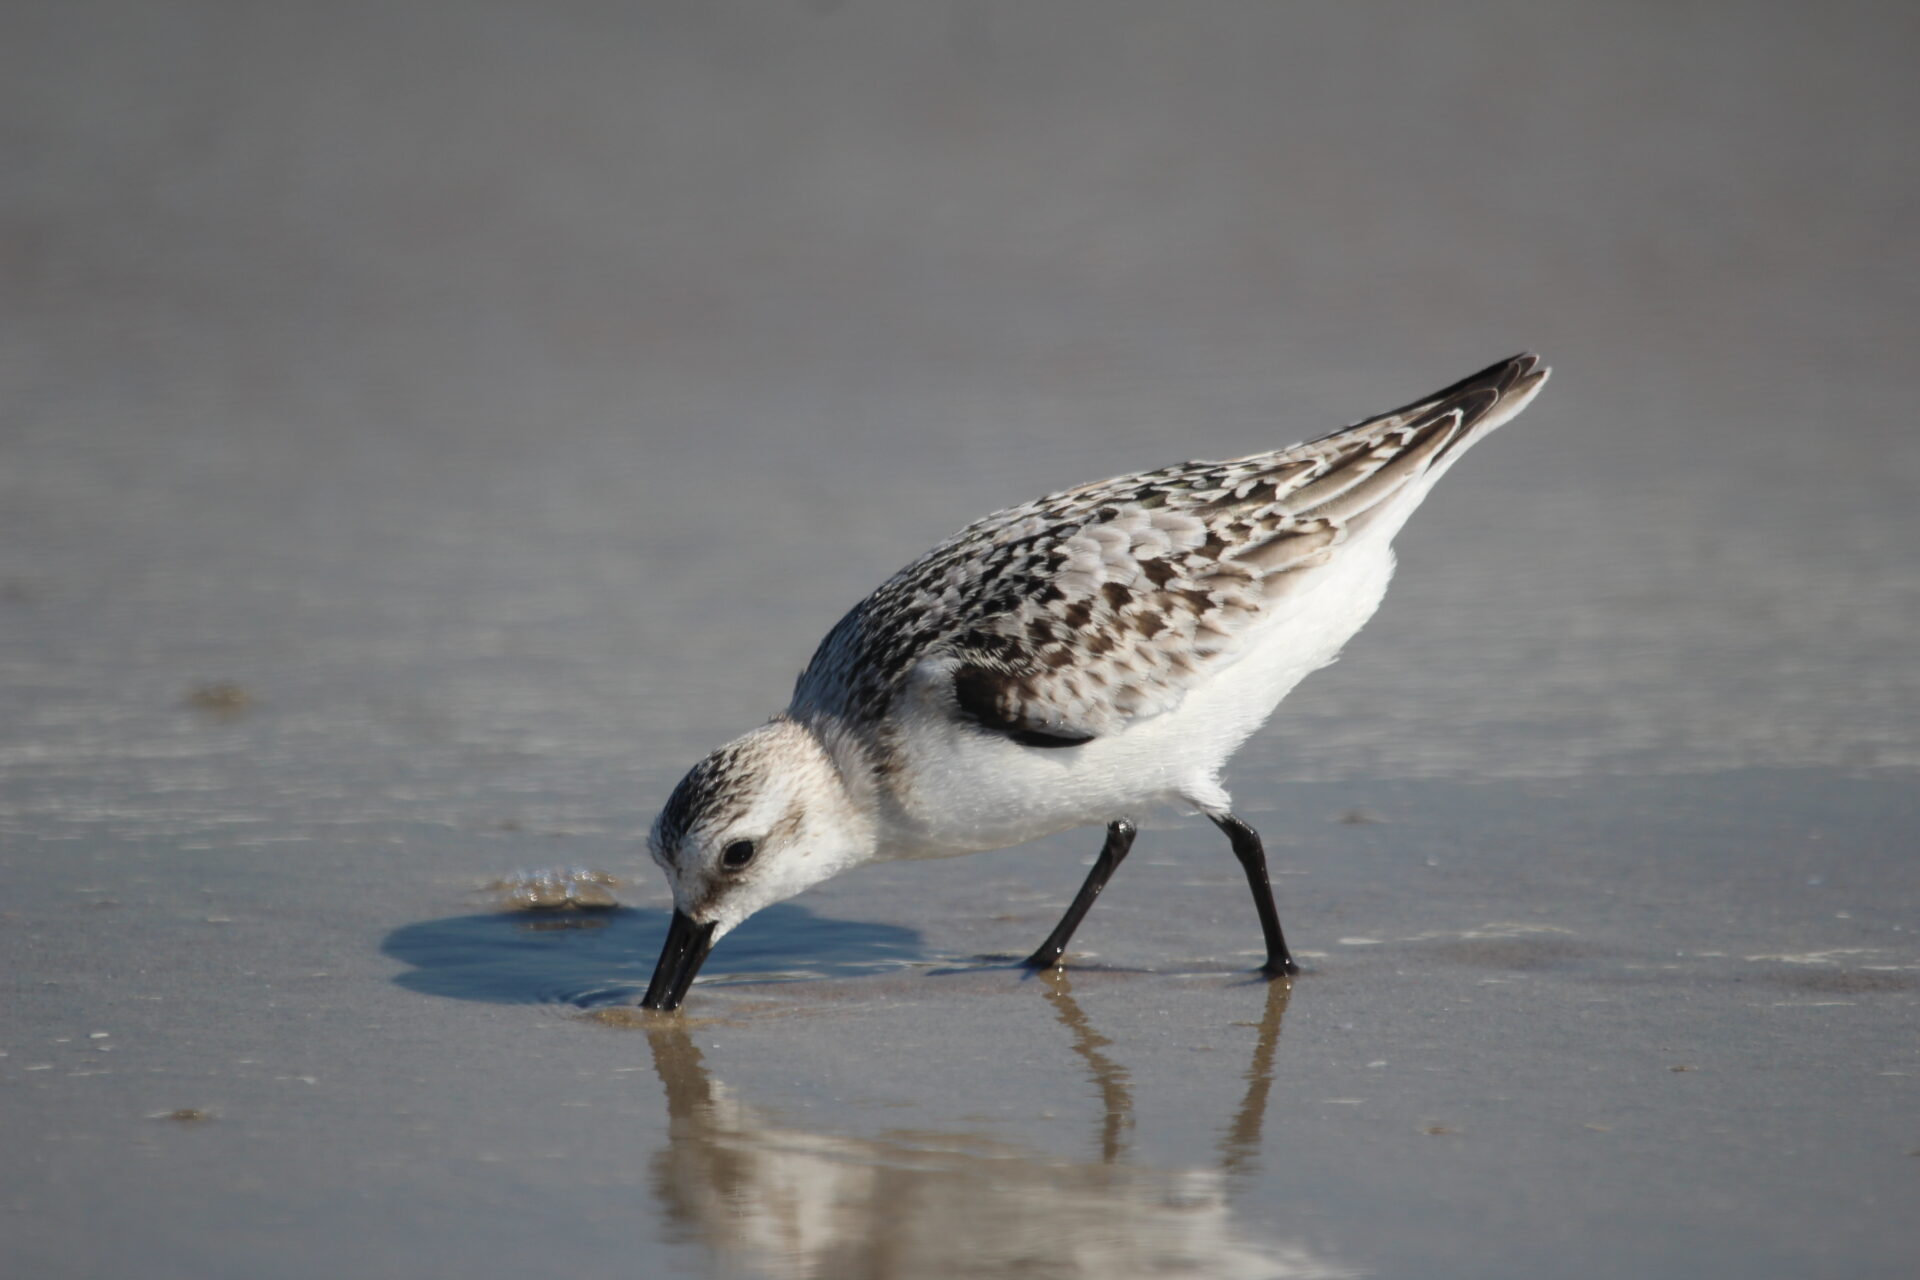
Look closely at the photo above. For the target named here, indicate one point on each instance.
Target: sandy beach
(426, 430)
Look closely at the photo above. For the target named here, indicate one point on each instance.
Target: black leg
(1119, 839)
(1253, 860)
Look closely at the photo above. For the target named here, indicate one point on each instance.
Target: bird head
(761, 819)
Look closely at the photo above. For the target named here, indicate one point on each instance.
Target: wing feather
(1063, 620)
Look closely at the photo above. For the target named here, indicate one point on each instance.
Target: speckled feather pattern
(1066, 618)
(1079, 659)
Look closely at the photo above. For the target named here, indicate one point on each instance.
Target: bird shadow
(603, 957)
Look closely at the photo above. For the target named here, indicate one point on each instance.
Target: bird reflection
(1240, 1148)
(794, 1205)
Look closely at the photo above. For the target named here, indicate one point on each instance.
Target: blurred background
(426, 428)
(584, 362)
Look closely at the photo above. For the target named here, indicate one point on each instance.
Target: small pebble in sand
(221, 698)
(558, 889)
(184, 1115)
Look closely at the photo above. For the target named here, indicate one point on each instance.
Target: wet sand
(420, 440)
(1602, 1027)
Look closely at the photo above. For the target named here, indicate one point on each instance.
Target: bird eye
(737, 855)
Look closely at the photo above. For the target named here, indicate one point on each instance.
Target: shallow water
(1628, 1022)
(597, 958)
(422, 439)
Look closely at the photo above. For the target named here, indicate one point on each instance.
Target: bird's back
(1068, 618)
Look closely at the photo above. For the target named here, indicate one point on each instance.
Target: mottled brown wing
(1062, 620)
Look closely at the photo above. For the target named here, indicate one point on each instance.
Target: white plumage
(1077, 660)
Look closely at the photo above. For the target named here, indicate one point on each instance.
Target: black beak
(687, 945)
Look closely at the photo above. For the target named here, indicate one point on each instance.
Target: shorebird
(1074, 661)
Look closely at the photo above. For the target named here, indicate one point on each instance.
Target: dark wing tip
(1477, 395)
(1501, 378)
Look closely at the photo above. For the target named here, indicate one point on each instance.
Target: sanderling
(1073, 661)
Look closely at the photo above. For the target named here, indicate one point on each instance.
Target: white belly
(961, 790)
